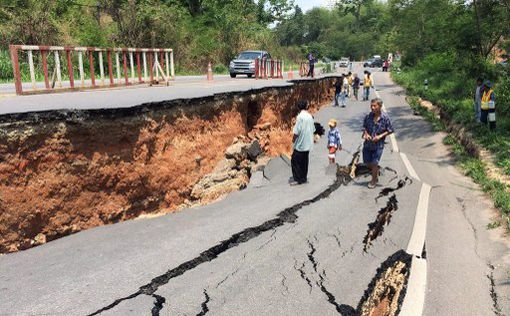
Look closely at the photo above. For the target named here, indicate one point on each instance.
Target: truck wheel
(233, 75)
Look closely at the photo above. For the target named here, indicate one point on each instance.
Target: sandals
(372, 185)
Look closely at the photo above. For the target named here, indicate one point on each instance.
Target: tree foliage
(216, 30)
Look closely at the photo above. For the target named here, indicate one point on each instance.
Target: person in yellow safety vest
(488, 105)
(367, 84)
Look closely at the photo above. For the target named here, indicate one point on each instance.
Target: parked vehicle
(368, 63)
(377, 63)
(373, 63)
(344, 62)
(244, 63)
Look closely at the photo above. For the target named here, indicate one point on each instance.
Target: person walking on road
(376, 127)
(311, 64)
(355, 86)
(367, 84)
(302, 144)
(385, 66)
(338, 89)
(488, 105)
(350, 77)
(345, 91)
(334, 140)
(478, 99)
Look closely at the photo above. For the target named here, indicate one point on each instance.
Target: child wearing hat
(334, 140)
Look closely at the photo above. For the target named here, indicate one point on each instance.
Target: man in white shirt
(302, 143)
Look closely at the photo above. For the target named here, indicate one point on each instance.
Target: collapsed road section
(65, 171)
(288, 215)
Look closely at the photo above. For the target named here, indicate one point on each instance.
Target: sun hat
(332, 123)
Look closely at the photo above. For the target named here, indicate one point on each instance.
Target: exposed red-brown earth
(61, 174)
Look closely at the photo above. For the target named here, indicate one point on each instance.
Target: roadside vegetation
(450, 44)
(199, 31)
(471, 166)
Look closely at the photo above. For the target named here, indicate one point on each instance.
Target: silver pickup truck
(244, 64)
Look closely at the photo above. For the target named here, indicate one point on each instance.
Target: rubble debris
(386, 292)
(230, 174)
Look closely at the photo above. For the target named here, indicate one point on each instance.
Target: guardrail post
(70, 67)
(57, 66)
(101, 67)
(156, 63)
(266, 73)
(263, 68)
(167, 64)
(15, 69)
(91, 67)
(161, 63)
(172, 70)
(124, 64)
(32, 71)
(145, 76)
(132, 64)
(110, 67)
(80, 68)
(151, 68)
(45, 69)
(138, 68)
(117, 63)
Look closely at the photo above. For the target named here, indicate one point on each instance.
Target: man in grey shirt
(302, 143)
(478, 99)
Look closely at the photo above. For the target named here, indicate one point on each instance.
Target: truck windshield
(248, 55)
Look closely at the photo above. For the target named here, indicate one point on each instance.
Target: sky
(308, 4)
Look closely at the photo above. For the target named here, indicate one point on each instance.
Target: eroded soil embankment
(62, 172)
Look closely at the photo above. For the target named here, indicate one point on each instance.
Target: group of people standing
(485, 103)
(376, 127)
(347, 87)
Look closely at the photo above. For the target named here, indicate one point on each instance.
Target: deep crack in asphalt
(205, 308)
(401, 183)
(311, 255)
(376, 228)
(302, 274)
(493, 293)
(158, 304)
(288, 215)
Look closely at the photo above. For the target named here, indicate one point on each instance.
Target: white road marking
(414, 300)
(415, 296)
(394, 145)
(409, 167)
(417, 240)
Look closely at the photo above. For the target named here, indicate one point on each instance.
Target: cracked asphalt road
(238, 257)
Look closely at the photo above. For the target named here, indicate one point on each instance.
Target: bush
(5, 66)
(220, 69)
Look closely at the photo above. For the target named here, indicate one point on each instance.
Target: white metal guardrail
(131, 65)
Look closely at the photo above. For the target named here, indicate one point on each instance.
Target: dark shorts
(372, 155)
